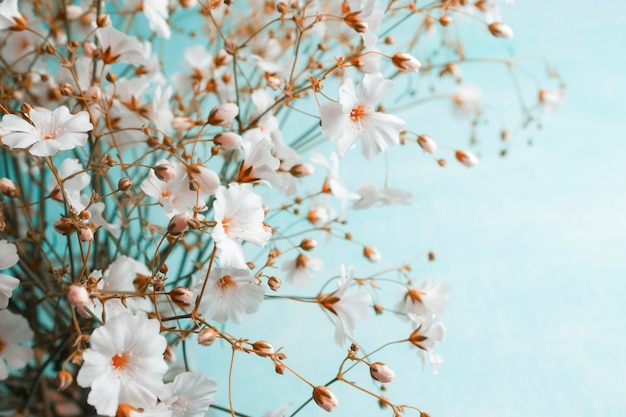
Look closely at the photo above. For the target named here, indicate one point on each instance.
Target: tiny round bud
(427, 144)
(281, 8)
(466, 158)
(431, 256)
(441, 162)
(406, 62)
(93, 93)
(124, 184)
(182, 295)
(223, 114)
(187, 4)
(63, 380)
(73, 12)
(110, 77)
(164, 172)
(89, 49)
(66, 89)
(379, 309)
(381, 372)
(63, 227)
(445, 20)
(179, 224)
(325, 398)
(274, 283)
(500, 30)
(207, 336)
(302, 170)
(263, 348)
(279, 368)
(308, 244)
(372, 254)
(8, 188)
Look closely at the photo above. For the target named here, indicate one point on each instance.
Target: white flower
(258, 163)
(124, 364)
(10, 16)
(238, 216)
(354, 117)
(8, 258)
(301, 269)
(117, 46)
(119, 277)
(14, 330)
(50, 131)
(189, 395)
(428, 333)
(365, 20)
(332, 182)
(230, 293)
(431, 298)
(156, 12)
(346, 307)
(370, 195)
(278, 412)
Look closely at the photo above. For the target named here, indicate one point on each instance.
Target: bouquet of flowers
(168, 167)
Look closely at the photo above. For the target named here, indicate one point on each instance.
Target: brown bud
(164, 172)
(274, 283)
(281, 8)
(302, 170)
(182, 295)
(103, 20)
(63, 380)
(445, 20)
(431, 256)
(325, 398)
(124, 184)
(308, 244)
(110, 77)
(263, 348)
(8, 188)
(207, 336)
(66, 89)
(500, 30)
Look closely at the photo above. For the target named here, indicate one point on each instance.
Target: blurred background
(532, 245)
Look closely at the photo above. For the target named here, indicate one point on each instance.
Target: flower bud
(466, 157)
(500, 30)
(302, 170)
(325, 398)
(103, 20)
(427, 144)
(359, 26)
(179, 224)
(8, 187)
(89, 49)
(63, 226)
(66, 89)
(263, 348)
(63, 380)
(187, 4)
(228, 140)
(308, 244)
(406, 62)
(223, 114)
(381, 372)
(93, 93)
(445, 20)
(372, 254)
(86, 234)
(181, 124)
(164, 172)
(273, 82)
(169, 354)
(73, 12)
(78, 297)
(124, 184)
(207, 336)
(182, 295)
(274, 283)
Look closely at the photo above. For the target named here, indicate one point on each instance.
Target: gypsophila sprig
(172, 171)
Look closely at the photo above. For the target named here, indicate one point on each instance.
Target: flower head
(8, 258)
(14, 330)
(48, 131)
(189, 395)
(355, 117)
(124, 364)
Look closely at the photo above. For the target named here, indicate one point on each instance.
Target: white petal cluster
(8, 258)
(14, 331)
(124, 364)
(355, 117)
(46, 132)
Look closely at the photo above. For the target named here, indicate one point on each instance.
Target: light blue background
(532, 246)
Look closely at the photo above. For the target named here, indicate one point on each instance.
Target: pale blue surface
(532, 245)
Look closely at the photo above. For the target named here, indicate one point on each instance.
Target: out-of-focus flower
(189, 395)
(8, 258)
(230, 293)
(355, 117)
(301, 269)
(124, 364)
(364, 19)
(427, 144)
(325, 398)
(278, 412)
(116, 46)
(406, 62)
(10, 16)
(223, 114)
(370, 195)
(48, 132)
(78, 297)
(501, 30)
(238, 216)
(14, 331)
(428, 333)
(466, 157)
(430, 298)
(346, 308)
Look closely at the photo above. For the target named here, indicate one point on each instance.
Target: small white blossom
(189, 395)
(355, 117)
(8, 258)
(14, 331)
(124, 364)
(48, 132)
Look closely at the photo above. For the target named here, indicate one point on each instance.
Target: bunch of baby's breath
(166, 171)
